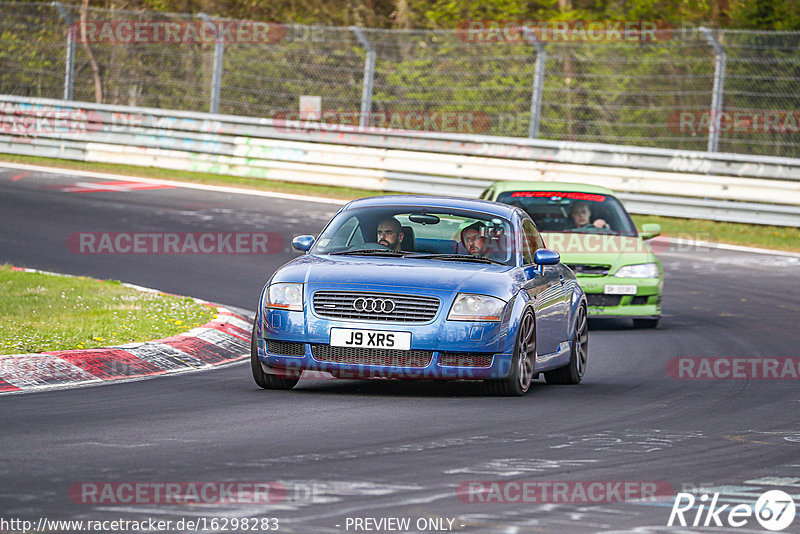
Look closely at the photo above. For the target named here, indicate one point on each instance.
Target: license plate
(371, 339)
(620, 290)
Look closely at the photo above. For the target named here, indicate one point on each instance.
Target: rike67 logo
(774, 510)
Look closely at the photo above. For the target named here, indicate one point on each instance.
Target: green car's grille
(599, 299)
(590, 270)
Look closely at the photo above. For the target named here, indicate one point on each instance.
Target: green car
(597, 239)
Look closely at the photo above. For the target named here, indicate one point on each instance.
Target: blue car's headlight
(642, 270)
(471, 307)
(285, 296)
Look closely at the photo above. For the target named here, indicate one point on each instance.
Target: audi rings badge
(373, 305)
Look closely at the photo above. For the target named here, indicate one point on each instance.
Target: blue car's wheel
(262, 379)
(573, 373)
(521, 375)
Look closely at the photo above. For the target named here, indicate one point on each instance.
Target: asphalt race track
(343, 450)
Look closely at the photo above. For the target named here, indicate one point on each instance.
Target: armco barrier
(728, 187)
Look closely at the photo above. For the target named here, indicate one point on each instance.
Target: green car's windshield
(570, 211)
(431, 233)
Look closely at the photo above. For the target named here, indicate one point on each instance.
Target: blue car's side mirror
(302, 242)
(545, 256)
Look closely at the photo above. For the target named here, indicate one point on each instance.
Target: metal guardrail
(727, 187)
(680, 88)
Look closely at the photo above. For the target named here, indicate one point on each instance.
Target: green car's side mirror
(650, 230)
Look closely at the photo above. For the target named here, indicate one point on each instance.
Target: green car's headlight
(642, 270)
(471, 307)
(285, 296)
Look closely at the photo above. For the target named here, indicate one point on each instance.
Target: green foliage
(783, 15)
(608, 92)
(750, 14)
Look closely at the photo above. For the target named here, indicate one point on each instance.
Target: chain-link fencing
(647, 92)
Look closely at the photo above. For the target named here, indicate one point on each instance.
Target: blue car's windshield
(429, 233)
(570, 211)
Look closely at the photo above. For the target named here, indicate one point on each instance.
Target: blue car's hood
(382, 272)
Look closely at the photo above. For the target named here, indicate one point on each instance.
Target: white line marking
(725, 246)
(185, 185)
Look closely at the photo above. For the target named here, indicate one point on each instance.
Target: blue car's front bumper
(444, 339)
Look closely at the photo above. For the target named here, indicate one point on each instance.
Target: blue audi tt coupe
(427, 288)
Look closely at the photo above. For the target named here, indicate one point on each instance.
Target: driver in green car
(582, 217)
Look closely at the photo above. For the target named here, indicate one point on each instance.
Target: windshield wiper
(456, 257)
(370, 252)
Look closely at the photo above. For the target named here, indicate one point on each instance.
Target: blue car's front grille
(364, 356)
(375, 306)
(286, 348)
(466, 359)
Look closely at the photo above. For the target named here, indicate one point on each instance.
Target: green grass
(41, 312)
(773, 237)
(751, 235)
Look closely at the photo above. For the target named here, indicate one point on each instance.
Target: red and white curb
(225, 339)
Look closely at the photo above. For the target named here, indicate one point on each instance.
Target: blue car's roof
(430, 201)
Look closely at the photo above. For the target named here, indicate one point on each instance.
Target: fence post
(719, 87)
(69, 75)
(538, 83)
(216, 74)
(369, 76)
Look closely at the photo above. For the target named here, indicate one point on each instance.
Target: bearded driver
(390, 233)
(473, 237)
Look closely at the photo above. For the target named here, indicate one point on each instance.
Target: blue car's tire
(519, 378)
(262, 379)
(579, 352)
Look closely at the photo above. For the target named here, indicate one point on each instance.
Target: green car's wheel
(573, 373)
(264, 380)
(519, 378)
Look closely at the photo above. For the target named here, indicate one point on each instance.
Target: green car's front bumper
(646, 303)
